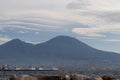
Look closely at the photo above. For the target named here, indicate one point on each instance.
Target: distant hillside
(61, 50)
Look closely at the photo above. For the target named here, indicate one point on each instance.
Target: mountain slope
(59, 50)
(71, 49)
(14, 51)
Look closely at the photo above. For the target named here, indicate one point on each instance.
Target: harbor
(8, 67)
(7, 70)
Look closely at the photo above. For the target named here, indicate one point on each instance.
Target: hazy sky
(95, 22)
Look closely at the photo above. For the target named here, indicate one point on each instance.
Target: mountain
(61, 50)
(14, 51)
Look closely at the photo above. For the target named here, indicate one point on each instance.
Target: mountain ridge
(61, 49)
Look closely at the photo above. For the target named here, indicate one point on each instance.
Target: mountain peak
(62, 36)
(17, 40)
(13, 42)
(63, 39)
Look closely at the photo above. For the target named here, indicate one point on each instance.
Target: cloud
(21, 32)
(78, 4)
(39, 14)
(36, 33)
(95, 5)
(42, 19)
(25, 5)
(113, 40)
(90, 32)
(110, 16)
(101, 17)
(4, 39)
(33, 42)
(97, 17)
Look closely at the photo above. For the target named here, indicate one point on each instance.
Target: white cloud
(91, 32)
(113, 40)
(4, 39)
(33, 42)
(37, 13)
(21, 32)
(41, 19)
(36, 33)
(24, 5)
(95, 5)
(101, 17)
